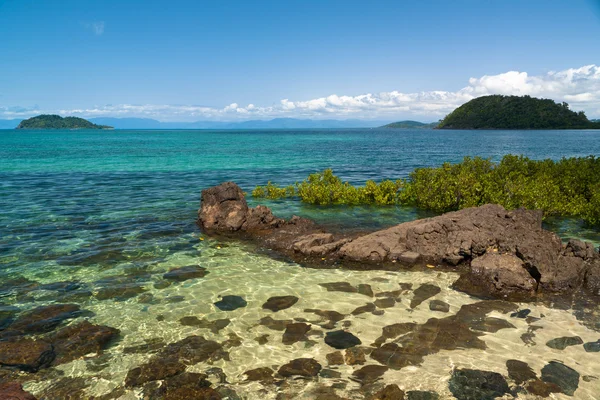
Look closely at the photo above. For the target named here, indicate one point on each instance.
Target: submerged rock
(295, 332)
(421, 395)
(423, 293)
(14, 391)
(370, 373)
(341, 339)
(264, 375)
(154, 370)
(438, 305)
(26, 354)
(468, 384)
(214, 326)
(44, 319)
(519, 371)
(390, 392)
(184, 273)
(193, 349)
(7, 314)
(300, 366)
(278, 303)
(563, 376)
(230, 303)
(592, 347)
(75, 341)
(562, 343)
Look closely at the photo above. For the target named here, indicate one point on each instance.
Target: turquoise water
(87, 206)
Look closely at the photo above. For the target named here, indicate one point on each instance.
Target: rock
(335, 358)
(76, 341)
(192, 350)
(364, 288)
(150, 346)
(230, 303)
(355, 356)
(305, 244)
(264, 375)
(14, 391)
(156, 369)
(26, 354)
(370, 373)
(300, 366)
(7, 314)
(498, 275)
(184, 273)
(467, 384)
(329, 374)
(332, 316)
(491, 324)
(263, 339)
(438, 305)
(421, 395)
(423, 293)
(521, 313)
(214, 326)
(295, 333)
(44, 319)
(346, 287)
(369, 307)
(563, 376)
(562, 343)
(541, 388)
(390, 392)
(183, 386)
(395, 330)
(341, 339)
(385, 302)
(223, 208)
(592, 347)
(275, 324)
(519, 371)
(120, 292)
(409, 257)
(278, 303)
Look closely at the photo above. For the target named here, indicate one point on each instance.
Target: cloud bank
(580, 87)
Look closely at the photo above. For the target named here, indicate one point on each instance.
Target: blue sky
(195, 60)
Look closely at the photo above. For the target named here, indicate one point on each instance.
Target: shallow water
(89, 206)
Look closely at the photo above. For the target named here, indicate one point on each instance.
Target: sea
(95, 209)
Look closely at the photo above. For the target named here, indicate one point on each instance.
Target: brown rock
(300, 366)
(156, 369)
(355, 356)
(335, 358)
(14, 391)
(75, 341)
(295, 333)
(278, 303)
(44, 319)
(370, 373)
(390, 392)
(26, 354)
(423, 293)
(224, 208)
(184, 273)
(264, 375)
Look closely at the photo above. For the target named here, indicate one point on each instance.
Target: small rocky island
(515, 112)
(499, 253)
(58, 122)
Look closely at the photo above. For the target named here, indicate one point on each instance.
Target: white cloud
(580, 87)
(97, 27)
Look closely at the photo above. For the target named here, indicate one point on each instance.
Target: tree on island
(58, 122)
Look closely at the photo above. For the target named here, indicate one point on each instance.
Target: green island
(410, 125)
(57, 122)
(569, 187)
(515, 112)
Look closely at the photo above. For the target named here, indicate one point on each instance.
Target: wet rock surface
(26, 354)
(301, 366)
(561, 375)
(562, 343)
(502, 254)
(184, 273)
(14, 391)
(230, 303)
(341, 340)
(278, 303)
(467, 384)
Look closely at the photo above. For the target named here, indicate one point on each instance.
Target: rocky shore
(500, 254)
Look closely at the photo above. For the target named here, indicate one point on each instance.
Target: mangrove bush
(568, 187)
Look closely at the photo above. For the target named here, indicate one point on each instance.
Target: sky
(242, 60)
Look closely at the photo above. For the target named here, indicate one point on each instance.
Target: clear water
(79, 205)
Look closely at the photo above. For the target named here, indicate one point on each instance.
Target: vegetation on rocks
(515, 112)
(569, 187)
(58, 122)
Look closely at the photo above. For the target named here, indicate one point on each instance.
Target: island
(515, 112)
(411, 125)
(58, 122)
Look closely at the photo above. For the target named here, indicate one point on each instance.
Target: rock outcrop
(502, 254)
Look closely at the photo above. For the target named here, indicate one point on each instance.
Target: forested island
(515, 112)
(58, 122)
(411, 125)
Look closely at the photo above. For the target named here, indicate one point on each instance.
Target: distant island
(411, 125)
(58, 122)
(515, 112)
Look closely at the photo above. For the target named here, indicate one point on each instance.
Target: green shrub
(569, 187)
